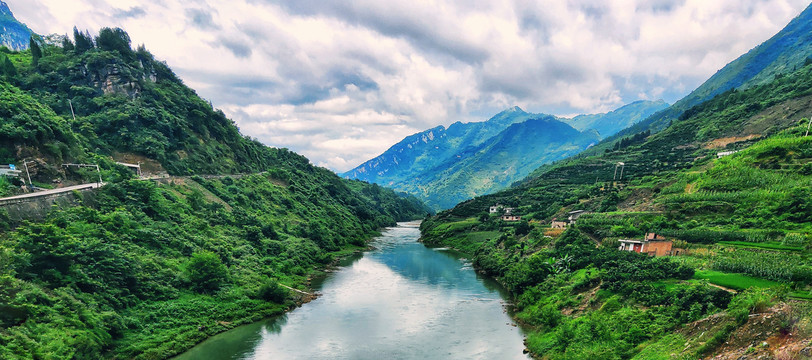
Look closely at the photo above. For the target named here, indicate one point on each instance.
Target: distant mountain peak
(511, 111)
(4, 9)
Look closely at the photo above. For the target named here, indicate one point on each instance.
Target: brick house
(653, 244)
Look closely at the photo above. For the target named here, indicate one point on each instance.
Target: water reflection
(401, 301)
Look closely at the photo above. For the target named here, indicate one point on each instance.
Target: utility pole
(30, 184)
(71, 110)
(807, 126)
(622, 166)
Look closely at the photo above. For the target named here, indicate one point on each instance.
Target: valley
(138, 221)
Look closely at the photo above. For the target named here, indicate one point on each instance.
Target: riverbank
(401, 300)
(299, 293)
(148, 270)
(251, 312)
(510, 306)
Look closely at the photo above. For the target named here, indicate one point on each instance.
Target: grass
(734, 281)
(773, 245)
(482, 236)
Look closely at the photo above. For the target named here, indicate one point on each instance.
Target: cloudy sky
(340, 81)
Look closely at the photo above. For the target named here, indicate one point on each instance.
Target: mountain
(610, 123)
(147, 268)
(726, 185)
(495, 164)
(426, 150)
(13, 34)
(445, 166)
(786, 51)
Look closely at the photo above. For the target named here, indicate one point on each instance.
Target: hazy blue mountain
(608, 124)
(444, 166)
(498, 162)
(13, 34)
(428, 149)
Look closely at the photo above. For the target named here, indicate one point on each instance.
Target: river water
(400, 301)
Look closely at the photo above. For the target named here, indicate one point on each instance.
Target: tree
(67, 45)
(272, 291)
(6, 67)
(115, 40)
(205, 271)
(36, 52)
(83, 41)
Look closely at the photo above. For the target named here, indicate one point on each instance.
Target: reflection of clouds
(374, 309)
(423, 63)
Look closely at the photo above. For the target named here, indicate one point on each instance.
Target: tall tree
(6, 67)
(115, 40)
(67, 45)
(83, 41)
(36, 52)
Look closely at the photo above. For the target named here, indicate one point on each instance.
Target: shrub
(272, 291)
(205, 271)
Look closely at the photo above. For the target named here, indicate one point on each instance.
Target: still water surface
(400, 301)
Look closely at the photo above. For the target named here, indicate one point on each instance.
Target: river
(399, 301)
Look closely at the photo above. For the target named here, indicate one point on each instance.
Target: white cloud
(341, 81)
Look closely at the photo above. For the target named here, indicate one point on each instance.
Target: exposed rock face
(13, 34)
(115, 78)
(110, 81)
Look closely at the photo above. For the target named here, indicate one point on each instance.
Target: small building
(559, 224)
(653, 244)
(574, 215)
(725, 153)
(9, 170)
(495, 209)
(511, 218)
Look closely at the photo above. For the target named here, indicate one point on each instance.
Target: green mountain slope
(142, 269)
(742, 221)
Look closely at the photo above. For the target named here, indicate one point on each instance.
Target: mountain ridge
(424, 162)
(14, 34)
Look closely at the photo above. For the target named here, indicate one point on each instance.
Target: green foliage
(83, 41)
(142, 269)
(771, 266)
(205, 271)
(272, 291)
(115, 40)
(36, 52)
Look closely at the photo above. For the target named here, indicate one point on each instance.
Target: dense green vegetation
(124, 101)
(742, 221)
(142, 269)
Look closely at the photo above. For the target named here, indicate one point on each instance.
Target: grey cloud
(421, 30)
(133, 12)
(239, 48)
(201, 19)
(660, 6)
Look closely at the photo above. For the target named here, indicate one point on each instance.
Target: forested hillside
(145, 269)
(727, 183)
